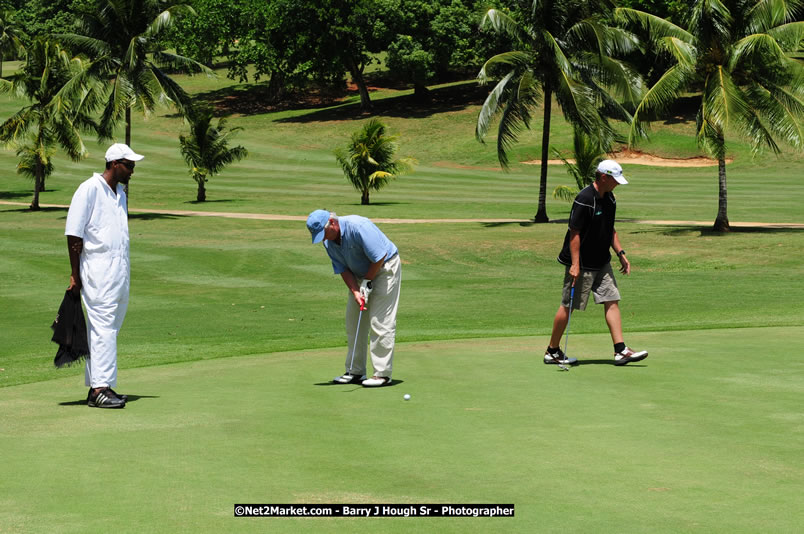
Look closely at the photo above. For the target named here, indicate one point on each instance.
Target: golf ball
(406, 397)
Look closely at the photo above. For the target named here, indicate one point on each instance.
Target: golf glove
(365, 290)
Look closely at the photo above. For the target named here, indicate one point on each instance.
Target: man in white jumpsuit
(369, 264)
(97, 241)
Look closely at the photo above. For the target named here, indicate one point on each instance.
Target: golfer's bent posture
(97, 240)
(369, 264)
(587, 259)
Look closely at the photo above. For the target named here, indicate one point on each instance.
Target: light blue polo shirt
(362, 244)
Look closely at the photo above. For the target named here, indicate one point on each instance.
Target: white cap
(613, 169)
(122, 151)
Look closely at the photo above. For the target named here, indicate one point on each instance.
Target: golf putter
(357, 336)
(566, 339)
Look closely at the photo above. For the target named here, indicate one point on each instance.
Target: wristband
(621, 253)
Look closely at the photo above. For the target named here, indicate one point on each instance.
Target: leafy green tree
(436, 37)
(214, 30)
(206, 149)
(10, 37)
(122, 38)
(564, 50)
(296, 40)
(42, 18)
(735, 55)
(368, 160)
(57, 115)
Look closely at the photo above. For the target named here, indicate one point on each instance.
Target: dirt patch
(636, 157)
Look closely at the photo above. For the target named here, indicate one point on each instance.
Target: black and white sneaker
(348, 378)
(124, 398)
(628, 356)
(104, 398)
(559, 357)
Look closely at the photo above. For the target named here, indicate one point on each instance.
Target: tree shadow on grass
(154, 216)
(684, 230)
(131, 398)
(382, 204)
(439, 100)
(15, 195)
(40, 210)
(523, 223)
(204, 202)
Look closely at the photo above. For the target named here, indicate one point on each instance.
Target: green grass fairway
(706, 435)
(235, 328)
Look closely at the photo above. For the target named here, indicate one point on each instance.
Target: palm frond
(789, 36)
(663, 93)
(515, 117)
(656, 27)
(491, 106)
(502, 23)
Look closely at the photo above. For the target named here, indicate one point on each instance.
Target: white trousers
(104, 290)
(378, 322)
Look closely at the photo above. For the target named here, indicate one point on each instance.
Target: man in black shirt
(587, 259)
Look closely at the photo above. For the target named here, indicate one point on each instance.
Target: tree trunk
(128, 142)
(202, 191)
(722, 220)
(276, 86)
(421, 93)
(364, 199)
(38, 176)
(541, 215)
(357, 76)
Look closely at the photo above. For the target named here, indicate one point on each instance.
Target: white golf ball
(406, 397)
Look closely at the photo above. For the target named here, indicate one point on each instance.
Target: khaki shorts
(601, 283)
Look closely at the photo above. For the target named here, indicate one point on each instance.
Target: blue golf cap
(316, 223)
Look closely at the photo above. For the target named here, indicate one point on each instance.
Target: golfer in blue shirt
(369, 264)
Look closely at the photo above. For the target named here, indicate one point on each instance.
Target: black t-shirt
(593, 217)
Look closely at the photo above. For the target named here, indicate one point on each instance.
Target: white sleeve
(79, 212)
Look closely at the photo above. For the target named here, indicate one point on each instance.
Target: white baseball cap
(122, 151)
(613, 169)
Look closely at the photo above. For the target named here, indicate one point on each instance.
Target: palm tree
(58, 113)
(735, 54)
(121, 37)
(368, 161)
(588, 152)
(206, 149)
(10, 37)
(565, 50)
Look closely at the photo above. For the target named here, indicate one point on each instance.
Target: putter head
(558, 362)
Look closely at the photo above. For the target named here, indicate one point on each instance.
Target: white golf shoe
(628, 356)
(559, 357)
(377, 381)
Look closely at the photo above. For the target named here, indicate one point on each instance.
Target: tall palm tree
(368, 161)
(735, 54)
(206, 149)
(564, 50)
(10, 37)
(121, 37)
(59, 111)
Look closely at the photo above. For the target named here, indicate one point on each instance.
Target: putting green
(705, 435)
